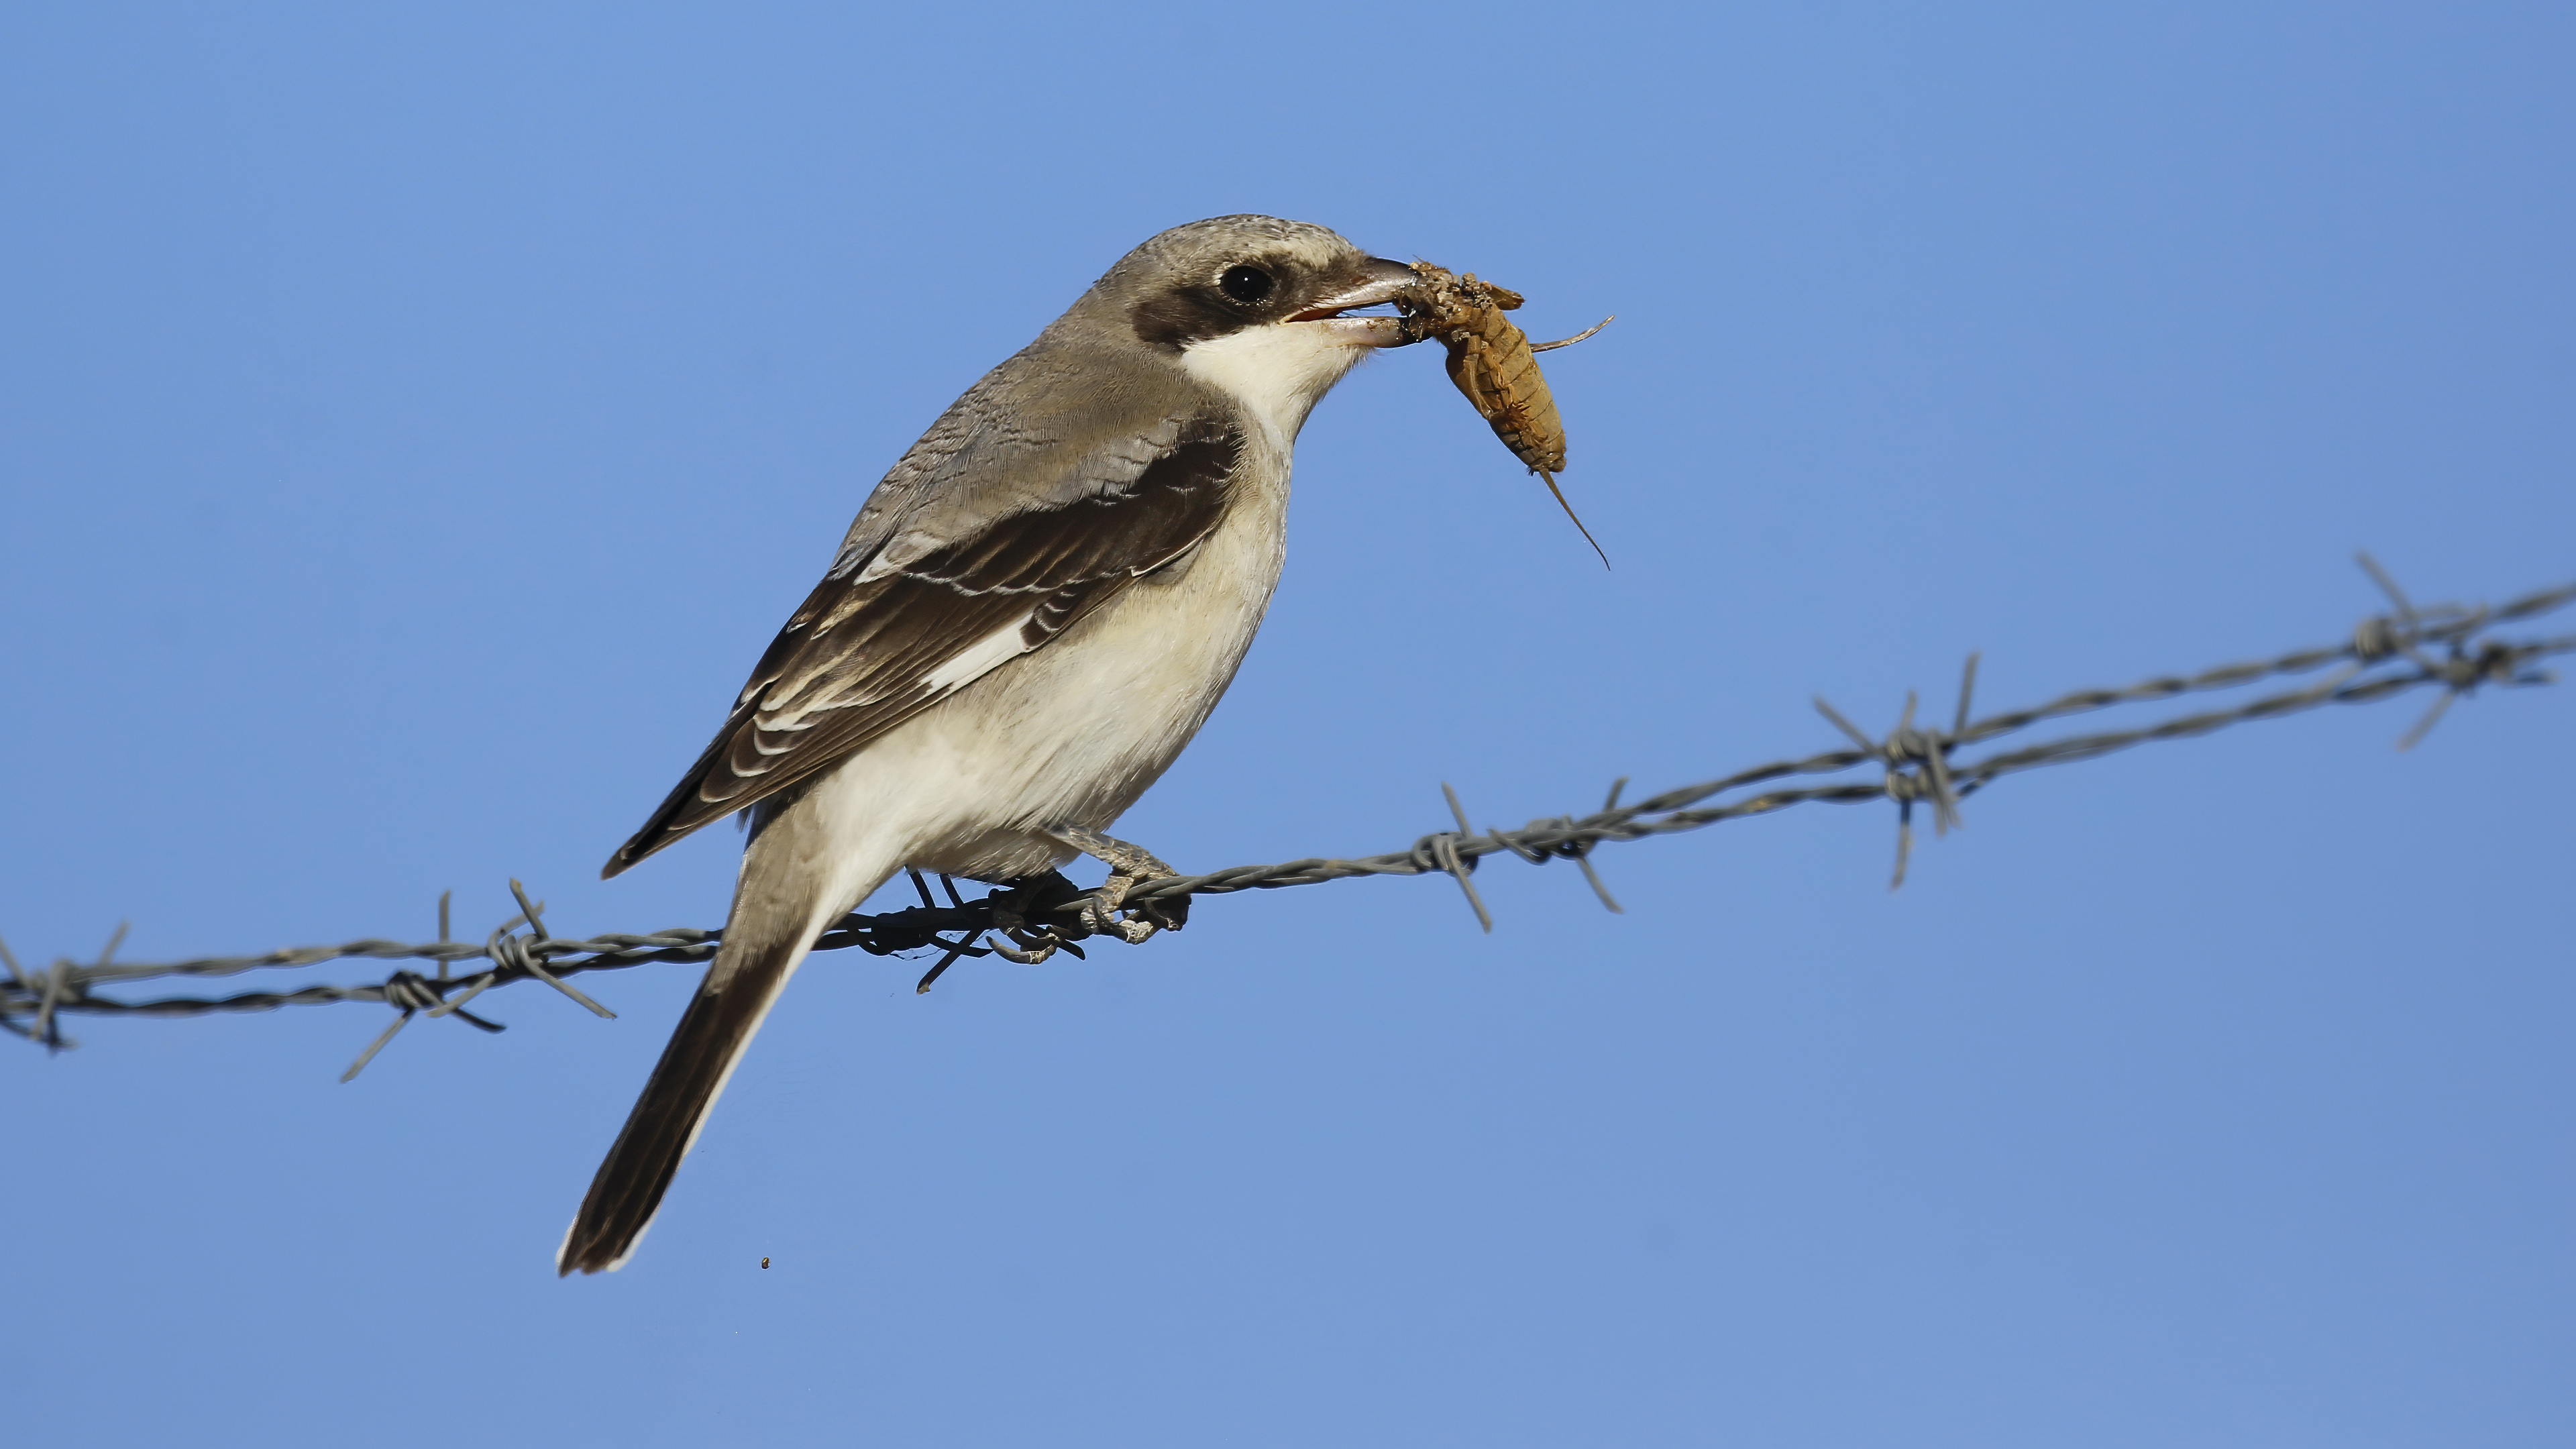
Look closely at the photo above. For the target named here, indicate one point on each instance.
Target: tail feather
(803, 866)
(701, 1056)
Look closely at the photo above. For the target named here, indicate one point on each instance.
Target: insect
(1495, 365)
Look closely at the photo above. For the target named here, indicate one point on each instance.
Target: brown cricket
(1495, 365)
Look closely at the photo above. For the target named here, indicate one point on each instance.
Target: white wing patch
(981, 657)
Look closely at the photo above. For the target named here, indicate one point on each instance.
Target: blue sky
(414, 424)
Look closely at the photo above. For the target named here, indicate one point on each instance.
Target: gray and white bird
(1034, 612)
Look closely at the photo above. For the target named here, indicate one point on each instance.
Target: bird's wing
(935, 601)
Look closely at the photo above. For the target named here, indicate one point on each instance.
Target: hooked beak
(1378, 280)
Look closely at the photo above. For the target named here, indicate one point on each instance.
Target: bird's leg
(1129, 867)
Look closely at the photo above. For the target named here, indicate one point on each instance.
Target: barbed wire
(2445, 646)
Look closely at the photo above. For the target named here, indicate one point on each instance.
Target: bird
(1033, 613)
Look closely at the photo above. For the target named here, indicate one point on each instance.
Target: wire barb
(1442, 851)
(1917, 767)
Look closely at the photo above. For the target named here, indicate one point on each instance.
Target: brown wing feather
(856, 659)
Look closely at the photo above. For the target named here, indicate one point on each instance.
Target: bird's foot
(1031, 895)
(1106, 911)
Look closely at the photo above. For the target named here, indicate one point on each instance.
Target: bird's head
(1257, 307)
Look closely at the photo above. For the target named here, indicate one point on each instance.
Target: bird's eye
(1246, 284)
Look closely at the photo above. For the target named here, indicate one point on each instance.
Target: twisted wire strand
(2448, 647)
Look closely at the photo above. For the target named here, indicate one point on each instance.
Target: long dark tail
(704, 1047)
(796, 876)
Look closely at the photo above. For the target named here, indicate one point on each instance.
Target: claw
(1129, 866)
(1169, 912)
(1036, 955)
(1100, 913)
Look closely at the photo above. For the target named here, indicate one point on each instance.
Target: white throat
(1278, 372)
